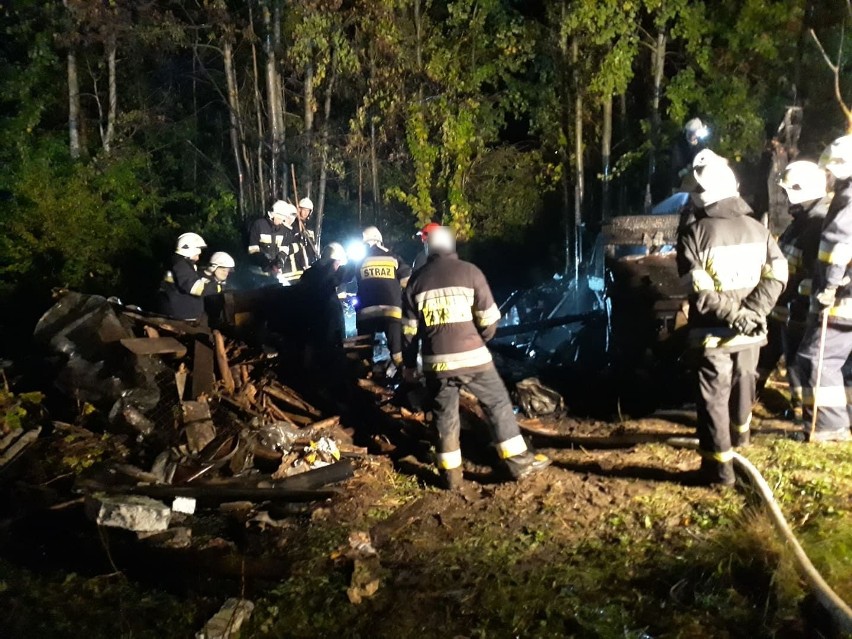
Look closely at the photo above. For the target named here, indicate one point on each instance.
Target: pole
(823, 329)
(305, 238)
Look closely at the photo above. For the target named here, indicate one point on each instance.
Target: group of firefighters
(744, 286)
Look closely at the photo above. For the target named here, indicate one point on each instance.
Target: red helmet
(424, 232)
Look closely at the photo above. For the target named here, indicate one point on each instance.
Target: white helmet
(220, 259)
(284, 211)
(441, 240)
(803, 181)
(695, 128)
(371, 235)
(190, 244)
(305, 203)
(837, 158)
(714, 176)
(335, 251)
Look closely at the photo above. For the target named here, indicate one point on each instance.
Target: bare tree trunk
(578, 159)
(73, 105)
(606, 152)
(234, 116)
(623, 132)
(323, 175)
(272, 102)
(374, 172)
(112, 109)
(261, 134)
(564, 152)
(307, 171)
(360, 188)
(281, 100)
(658, 59)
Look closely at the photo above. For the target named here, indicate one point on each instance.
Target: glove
(748, 322)
(827, 296)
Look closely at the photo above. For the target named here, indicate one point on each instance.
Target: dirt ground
(610, 541)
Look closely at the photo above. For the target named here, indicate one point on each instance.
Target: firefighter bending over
(832, 300)
(381, 277)
(736, 272)
(272, 243)
(448, 306)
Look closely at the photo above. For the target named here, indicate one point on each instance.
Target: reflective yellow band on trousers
(454, 361)
(511, 447)
(742, 428)
(450, 460)
(828, 396)
(835, 253)
(719, 456)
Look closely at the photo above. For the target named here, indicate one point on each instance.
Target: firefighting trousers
(492, 393)
(771, 353)
(830, 397)
(391, 327)
(792, 337)
(727, 385)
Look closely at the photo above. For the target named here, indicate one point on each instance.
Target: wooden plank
(154, 346)
(203, 378)
(222, 362)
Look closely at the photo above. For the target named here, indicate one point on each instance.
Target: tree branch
(828, 61)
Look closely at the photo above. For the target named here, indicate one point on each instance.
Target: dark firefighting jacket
(449, 309)
(183, 288)
(381, 276)
(800, 245)
(274, 246)
(729, 261)
(307, 248)
(835, 255)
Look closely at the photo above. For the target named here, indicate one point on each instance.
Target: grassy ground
(606, 543)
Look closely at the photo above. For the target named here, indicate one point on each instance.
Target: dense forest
(523, 124)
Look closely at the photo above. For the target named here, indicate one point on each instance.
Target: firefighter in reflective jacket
(381, 277)
(832, 295)
(448, 307)
(736, 273)
(272, 243)
(183, 288)
(804, 182)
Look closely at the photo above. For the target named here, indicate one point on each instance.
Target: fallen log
(288, 396)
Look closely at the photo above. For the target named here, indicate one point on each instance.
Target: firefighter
(183, 288)
(449, 307)
(805, 185)
(272, 243)
(831, 300)
(381, 277)
(220, 267)
(687, 146)
(422, 256)
(319, 284)
(303, 235)
(736, 272)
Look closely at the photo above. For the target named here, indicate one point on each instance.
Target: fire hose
(839, 610)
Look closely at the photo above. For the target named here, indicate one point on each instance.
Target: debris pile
(172, 416)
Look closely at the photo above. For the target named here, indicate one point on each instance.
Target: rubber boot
(452, 479)
(717, 473)
(526, 463)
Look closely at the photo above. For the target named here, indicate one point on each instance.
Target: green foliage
(19, 410)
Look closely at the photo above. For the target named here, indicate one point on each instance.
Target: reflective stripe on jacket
(729, 261)
(449, 308)
(381, 276)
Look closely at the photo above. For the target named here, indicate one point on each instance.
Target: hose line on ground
(839, 610)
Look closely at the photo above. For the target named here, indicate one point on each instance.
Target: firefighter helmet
(715, 178)
(803, 181)
(695, 128)
(441, 239)
(372, 235)
(282, 211)
(190, 245)
(220, 259)
(305, 203)
(336, 252)
(423, 233)
(837, 158)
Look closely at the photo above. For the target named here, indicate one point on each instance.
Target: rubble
(131, 512)
(227, 622)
